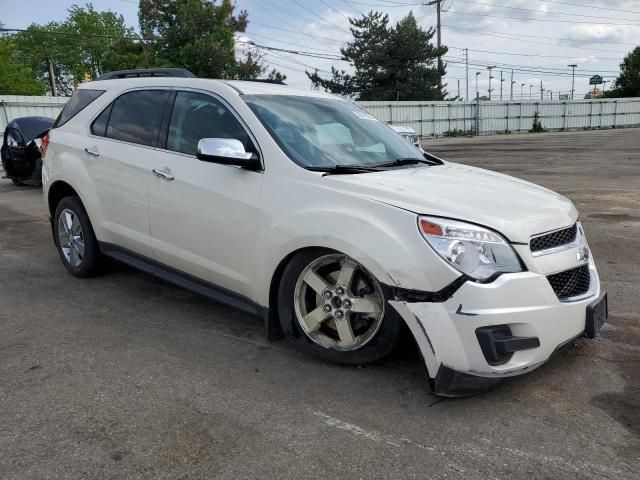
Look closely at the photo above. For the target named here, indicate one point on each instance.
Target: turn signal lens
(430, 228)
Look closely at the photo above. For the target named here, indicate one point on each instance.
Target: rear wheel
(74, 238)
(332, 307)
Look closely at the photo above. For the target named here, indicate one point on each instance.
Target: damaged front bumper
(483, 333)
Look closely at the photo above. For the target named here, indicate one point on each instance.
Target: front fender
(383, 238)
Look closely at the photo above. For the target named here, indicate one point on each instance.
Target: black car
(20, 155)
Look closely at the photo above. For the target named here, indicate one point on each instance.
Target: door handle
(93, 151)
(167, 175)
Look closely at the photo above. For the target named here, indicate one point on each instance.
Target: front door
(203, 215)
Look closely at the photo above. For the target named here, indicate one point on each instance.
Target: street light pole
(521, 87)
(477, 91)
(490, 77)
(530, 90)
(573, 77)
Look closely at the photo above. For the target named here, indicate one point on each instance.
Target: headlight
(475, 251)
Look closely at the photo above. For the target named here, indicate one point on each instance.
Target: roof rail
(266, 80)
(147, 72)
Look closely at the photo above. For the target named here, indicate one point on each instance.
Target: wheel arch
(274, 331)
(57, 191)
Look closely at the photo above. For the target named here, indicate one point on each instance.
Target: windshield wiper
(344, 169)
(399, 162)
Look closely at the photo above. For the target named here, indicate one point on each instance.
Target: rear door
(122, 152)
(204, 215)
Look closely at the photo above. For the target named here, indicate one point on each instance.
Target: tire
(373, 329)
(82, 256)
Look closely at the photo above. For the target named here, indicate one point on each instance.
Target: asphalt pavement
(125, 376)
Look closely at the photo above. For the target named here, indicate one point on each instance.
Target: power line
(279, 17)
(475, 2)
(318, 16)
(519, 54)
(297, 33)
(590, 6)
(331, 9)
(486, 32)
(545, 19)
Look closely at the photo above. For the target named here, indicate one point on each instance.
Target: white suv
(301, 208)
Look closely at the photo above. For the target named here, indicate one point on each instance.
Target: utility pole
(438, 4)
(541, 91)
(490, 77)
(52, 78)
(512, 82)
(573, 77)
(530, 90)
(458, 89)
(501, 81)
(466, 61)
(521, 87)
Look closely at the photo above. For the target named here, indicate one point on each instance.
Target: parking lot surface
(126, 376)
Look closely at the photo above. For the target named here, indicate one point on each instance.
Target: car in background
(409, 134)
(20, 152)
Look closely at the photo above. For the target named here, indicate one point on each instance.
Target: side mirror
(227, 151)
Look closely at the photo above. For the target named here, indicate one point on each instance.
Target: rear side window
(99, 125)
(76, 104)
(135, 117)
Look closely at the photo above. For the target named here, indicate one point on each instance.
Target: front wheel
(333, 308)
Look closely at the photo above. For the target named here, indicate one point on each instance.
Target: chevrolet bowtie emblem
(582, 254)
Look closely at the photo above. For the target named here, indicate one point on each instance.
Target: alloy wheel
(71, 237)
(338, 303)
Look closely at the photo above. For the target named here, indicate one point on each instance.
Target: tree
(76, 47)
(628, 82)
(15, 77)
(198, 35)
(389, 62)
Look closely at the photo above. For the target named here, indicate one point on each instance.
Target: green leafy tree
(628, 82)
(76, 47)
(389, 62)
(198, 35)
(15, 77)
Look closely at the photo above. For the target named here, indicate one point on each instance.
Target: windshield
(325, 132)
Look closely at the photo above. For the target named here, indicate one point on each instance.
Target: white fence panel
(433, 118)
(443, 118)
(16, 106)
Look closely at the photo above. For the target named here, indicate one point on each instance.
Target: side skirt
(184, 280)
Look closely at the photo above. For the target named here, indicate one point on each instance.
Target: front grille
(571, 283)
(554, 239)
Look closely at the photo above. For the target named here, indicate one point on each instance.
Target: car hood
(513, 207)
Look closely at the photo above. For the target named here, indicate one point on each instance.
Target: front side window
(135, 117)
(325, 132)
(78, 102)
(196, 116)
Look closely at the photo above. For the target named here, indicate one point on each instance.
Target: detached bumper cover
(446, 331)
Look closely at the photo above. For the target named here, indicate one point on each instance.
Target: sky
(536, 39)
